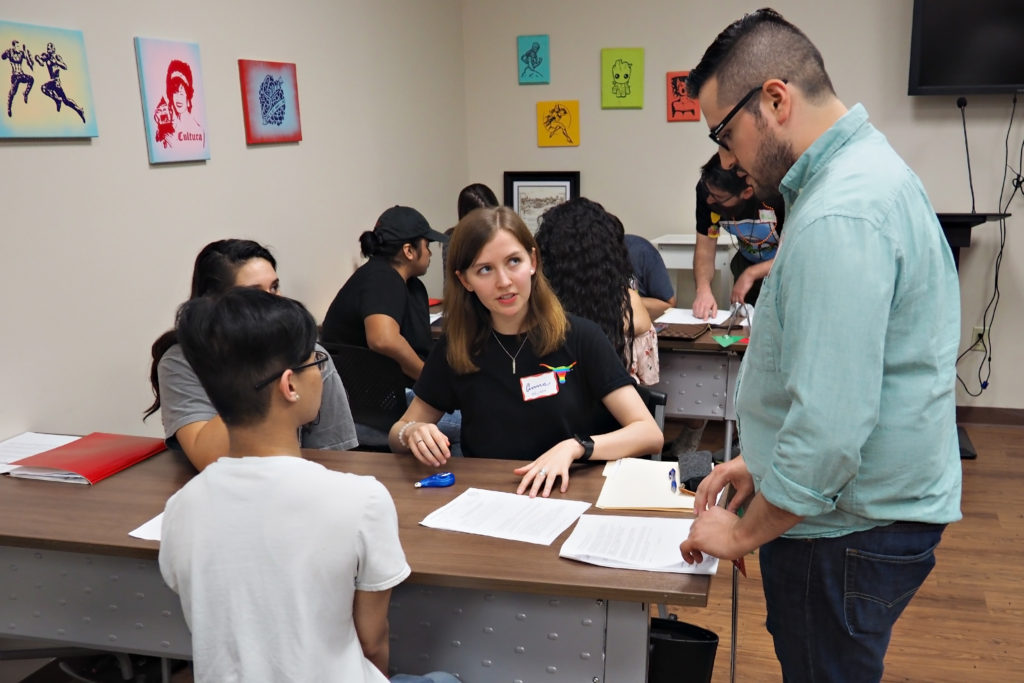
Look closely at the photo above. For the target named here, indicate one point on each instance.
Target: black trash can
(680, 652)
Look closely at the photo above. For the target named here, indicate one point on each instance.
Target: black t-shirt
(498, 421)
(377, 288)
(747, 210)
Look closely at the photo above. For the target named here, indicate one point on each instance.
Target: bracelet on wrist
(401, 433)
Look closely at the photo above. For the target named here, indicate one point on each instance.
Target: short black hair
(236, 340)
(713, 173)
(755, 48)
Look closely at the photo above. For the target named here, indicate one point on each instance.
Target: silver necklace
(506, 350)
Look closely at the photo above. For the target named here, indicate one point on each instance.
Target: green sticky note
(726, 340)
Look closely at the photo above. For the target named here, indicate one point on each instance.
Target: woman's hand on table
(426, 442)
(539, 476)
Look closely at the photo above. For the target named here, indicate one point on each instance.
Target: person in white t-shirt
(284, 568)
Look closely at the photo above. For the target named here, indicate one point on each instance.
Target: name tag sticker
(766, 215)
(539, 386)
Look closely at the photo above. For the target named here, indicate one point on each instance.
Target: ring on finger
(543, 472)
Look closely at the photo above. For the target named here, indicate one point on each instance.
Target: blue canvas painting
(534, 59)
(50, 95)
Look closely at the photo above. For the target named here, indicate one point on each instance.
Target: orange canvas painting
(558, 123)
(681, 107)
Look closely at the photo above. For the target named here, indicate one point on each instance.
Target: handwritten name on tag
(539, 386)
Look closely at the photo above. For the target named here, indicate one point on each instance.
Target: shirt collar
(821, 152)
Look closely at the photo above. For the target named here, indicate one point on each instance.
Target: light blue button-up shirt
(846, 396)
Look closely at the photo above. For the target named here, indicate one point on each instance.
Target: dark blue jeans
(832, 602)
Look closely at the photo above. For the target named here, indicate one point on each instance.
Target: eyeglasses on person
(717, 130)
(319, 359)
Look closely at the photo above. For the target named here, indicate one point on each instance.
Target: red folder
(88, 460)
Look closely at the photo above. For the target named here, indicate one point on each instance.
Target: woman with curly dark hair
(585, 259)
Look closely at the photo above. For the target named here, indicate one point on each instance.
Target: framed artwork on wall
(270, 101)
(531, 193)
(53, 60)
(534, 59)
(558, 123)
(681, 107)
(622, 78)
(173, 101)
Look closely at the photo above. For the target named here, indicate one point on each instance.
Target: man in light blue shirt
(850, 467)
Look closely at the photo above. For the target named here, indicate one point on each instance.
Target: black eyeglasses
(728, 117)
(320, 359)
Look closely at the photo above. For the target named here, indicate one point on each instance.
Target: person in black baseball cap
(383, 306)
(401, 224)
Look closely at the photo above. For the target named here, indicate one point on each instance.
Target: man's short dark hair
(757, 47)
(236, 340)
(727, 180)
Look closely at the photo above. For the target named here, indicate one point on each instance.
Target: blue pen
(436, 481)
(672, 479)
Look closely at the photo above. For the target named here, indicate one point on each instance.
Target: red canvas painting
(681, 107)
(270, 101)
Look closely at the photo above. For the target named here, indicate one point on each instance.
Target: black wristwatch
(588, 447)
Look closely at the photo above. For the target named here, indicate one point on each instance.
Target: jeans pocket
(879, 587)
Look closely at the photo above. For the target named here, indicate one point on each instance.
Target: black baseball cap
(403, 224)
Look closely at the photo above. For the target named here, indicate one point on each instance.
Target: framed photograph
(173, 101)
(681, 107)
(53, 60)
(270, 101)
(531, 193)
(534, 59)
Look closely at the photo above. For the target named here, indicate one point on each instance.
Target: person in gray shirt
(191, 423)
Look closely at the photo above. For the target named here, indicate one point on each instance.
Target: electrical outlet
(979, 333)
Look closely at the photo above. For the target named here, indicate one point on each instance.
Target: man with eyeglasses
(850, 468)
(725, 201)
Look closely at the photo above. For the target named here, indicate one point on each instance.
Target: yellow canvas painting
(558, 123)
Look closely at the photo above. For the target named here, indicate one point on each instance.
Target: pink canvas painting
(173, 102)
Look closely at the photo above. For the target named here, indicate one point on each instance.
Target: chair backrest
(655, 402)
(375, 385)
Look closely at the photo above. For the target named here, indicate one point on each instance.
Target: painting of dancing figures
(173, 103)
(50, 95)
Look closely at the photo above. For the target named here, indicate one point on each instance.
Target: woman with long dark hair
(191, 423)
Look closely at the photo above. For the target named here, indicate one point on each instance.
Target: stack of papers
(644, 543)
(26, 444)
(638, 484)
(507, 515)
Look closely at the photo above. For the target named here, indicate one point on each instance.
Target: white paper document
(639, 484)
(29, 443)
(645, 543)
(434, 317)
(685, 316)
(149, 531)
(507, 515)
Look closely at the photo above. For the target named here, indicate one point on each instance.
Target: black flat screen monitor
(962, 47)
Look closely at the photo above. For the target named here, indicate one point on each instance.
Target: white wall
(644, 169)
(98, 245)
(403, 101)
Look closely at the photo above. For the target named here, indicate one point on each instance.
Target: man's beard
(774, 159)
